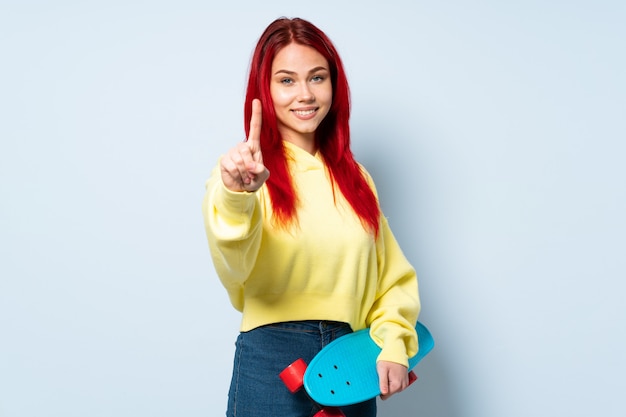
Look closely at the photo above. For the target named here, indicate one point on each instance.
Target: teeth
(303, 112)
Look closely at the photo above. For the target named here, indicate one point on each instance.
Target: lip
(305, 113)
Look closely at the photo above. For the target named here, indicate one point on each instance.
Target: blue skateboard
(344, 372)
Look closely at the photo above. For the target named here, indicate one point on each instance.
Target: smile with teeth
(304, 112)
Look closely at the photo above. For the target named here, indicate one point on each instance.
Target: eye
(318, 78)
(286, 81)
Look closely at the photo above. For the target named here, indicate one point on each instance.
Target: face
(302, 92)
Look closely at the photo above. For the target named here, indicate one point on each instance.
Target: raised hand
(242, 166)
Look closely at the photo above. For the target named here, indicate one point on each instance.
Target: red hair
(332, 136)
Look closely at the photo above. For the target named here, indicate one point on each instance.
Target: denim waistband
(313, 326)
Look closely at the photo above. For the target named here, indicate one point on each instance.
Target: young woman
(304, 253)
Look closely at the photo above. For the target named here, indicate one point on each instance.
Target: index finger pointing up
(254, 136)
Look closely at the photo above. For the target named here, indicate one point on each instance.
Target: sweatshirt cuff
(233, 201)
(394, 351)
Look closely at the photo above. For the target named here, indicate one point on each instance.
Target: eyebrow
(284, 71)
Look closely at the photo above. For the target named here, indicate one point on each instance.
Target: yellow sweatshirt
(327, 267)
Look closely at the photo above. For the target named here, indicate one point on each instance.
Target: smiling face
(302, 93)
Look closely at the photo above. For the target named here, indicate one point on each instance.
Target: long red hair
(332, 136)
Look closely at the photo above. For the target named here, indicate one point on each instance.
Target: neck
(305, 142)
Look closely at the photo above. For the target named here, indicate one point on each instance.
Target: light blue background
(495, 132)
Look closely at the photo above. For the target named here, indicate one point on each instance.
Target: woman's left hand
(393, 378)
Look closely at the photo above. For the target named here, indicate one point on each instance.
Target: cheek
(326, 95)
(279, 97)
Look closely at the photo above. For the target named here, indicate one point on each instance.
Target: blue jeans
(261, 354)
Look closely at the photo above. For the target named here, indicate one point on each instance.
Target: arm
(233, 225)
(394, 313)
(232, 213)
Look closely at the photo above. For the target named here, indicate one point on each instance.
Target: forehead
(296, 57)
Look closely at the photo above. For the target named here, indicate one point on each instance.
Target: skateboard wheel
(330, 412)
(412, 377)
(293, 375)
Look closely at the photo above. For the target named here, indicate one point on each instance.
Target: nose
(306, 95)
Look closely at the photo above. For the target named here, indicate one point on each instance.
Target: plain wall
(494, 131)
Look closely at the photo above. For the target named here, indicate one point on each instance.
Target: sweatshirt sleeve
(394, 313)
(233, 224)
